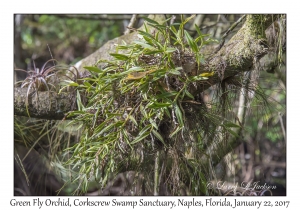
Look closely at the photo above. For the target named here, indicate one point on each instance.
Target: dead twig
(131, 24)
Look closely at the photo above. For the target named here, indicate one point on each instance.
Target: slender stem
(243, 99)
(228, 31)
(282, 125)
(131, 24)
(156, 174)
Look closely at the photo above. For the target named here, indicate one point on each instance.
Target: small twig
(282, 126)
(131, 24)
(156, 174)
(212, 25)
(172, 19)
(51, 54)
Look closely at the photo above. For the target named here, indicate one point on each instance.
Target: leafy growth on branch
(132, 97)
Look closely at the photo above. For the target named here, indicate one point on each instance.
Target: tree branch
(43, 105)
(238, 55)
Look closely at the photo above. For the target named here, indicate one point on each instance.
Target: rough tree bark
(44, 105)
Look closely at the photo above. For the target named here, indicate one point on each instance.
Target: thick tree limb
(44, 105)
(243, 50)
(103, 53)
(238, 55)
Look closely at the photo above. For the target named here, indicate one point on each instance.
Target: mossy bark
(241, 52)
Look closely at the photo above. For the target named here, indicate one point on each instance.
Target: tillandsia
(46, 79)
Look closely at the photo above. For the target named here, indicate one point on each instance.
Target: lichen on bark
(44, 104)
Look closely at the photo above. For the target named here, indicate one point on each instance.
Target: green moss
(256, 25)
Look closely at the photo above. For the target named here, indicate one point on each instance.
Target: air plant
(40, 79)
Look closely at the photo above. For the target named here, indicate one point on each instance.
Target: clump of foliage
(143, 112)
(140, 103)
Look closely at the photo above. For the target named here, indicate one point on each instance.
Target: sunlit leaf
(170, 50)
(144, 45)
(207, 74)
(93, 69)
(119, 56)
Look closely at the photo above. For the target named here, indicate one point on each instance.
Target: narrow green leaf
(132, 119)
(160, 28)
(232, 132)
(173, 29)
(157, 105)
(119, 56)
(203, 185)
(107, 128)
(150, 21)
(157, 135)
(187, 93)
(150, 39)
(126, 136)
(93, 69)
(232, 125)
(188, 19)
(197, 78)
(166, 95)
(146, 34)
(87, 84)
(142, 134)
(144, 45)
(73, 113)
(175, 131)
(140, 137)
(153, 123)
(191, 42)
(178, 114)
(175, 24)
(170, 49)
(175, 71)
(198, 30)
(71, 83)
(79, 103)
(143, 111)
